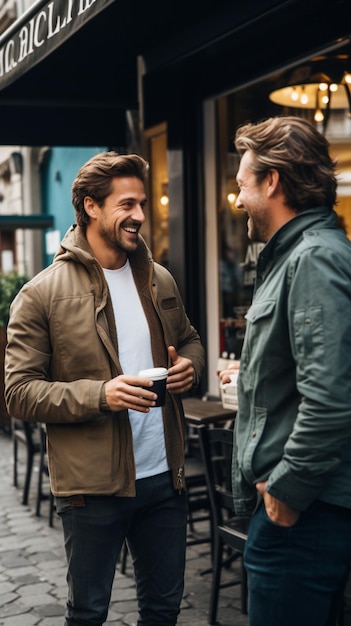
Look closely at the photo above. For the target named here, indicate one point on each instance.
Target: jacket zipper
(180, 481)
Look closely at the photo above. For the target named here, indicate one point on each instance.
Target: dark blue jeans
(296, 575)
(154, 523)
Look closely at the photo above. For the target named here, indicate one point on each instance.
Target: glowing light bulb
(164, 200)
(333, 87)
(304, 98)
(294, 94)
(231, 197)
(318, 116)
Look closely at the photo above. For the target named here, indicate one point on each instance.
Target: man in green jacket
(79, 333)
(292, 452)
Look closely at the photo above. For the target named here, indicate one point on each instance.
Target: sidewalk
(33, 570)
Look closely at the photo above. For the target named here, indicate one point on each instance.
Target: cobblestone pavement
(33, 571)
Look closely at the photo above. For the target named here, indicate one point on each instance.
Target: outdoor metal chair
(197, 492)
(25, 433)
(33, 437)
(229, 530)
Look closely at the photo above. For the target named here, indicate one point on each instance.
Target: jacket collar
(74, 247)
(290, 233)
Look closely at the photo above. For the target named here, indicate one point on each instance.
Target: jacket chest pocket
(77, 349)
(260, 311)
(259, 317)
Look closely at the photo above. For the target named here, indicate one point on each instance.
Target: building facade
(175, 90)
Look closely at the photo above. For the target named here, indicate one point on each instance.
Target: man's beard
(115, 242)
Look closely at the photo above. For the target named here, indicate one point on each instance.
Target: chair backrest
(217, 450)
(27, 433)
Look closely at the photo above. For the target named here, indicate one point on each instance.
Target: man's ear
(90, 206)
(273, 180)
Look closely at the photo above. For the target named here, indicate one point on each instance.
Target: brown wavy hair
(299, 152)
(94, 179)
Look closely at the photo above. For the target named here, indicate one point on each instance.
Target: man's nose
(238, 204)
(138, 213)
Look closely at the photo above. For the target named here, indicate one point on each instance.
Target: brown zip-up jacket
(62, 348)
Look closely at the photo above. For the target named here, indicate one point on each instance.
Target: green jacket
(62, 347)
(294, 422)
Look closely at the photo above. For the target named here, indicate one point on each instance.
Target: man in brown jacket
(79, 333)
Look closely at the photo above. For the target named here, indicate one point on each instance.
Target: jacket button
(254, 433)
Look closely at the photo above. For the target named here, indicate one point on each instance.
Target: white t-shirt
(134, 346)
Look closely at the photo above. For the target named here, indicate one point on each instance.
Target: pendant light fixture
(322, 84)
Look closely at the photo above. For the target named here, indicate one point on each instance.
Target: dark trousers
(154, 524)
(296, 575)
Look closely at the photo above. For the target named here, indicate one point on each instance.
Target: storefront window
(341, 151)
(237, 271)
(237, 254)
(159, 205)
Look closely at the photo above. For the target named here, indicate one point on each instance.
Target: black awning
(64, 77)
(68, 68)
(39, 31)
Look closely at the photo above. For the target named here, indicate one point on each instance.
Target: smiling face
(264, 202)
(253, 199)
(113, 229)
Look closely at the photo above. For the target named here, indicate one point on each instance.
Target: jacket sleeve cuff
(291, 490)
(103, 404)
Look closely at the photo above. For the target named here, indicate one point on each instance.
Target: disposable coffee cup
(159, 377)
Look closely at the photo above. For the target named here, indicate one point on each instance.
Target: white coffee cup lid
(154, 373)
